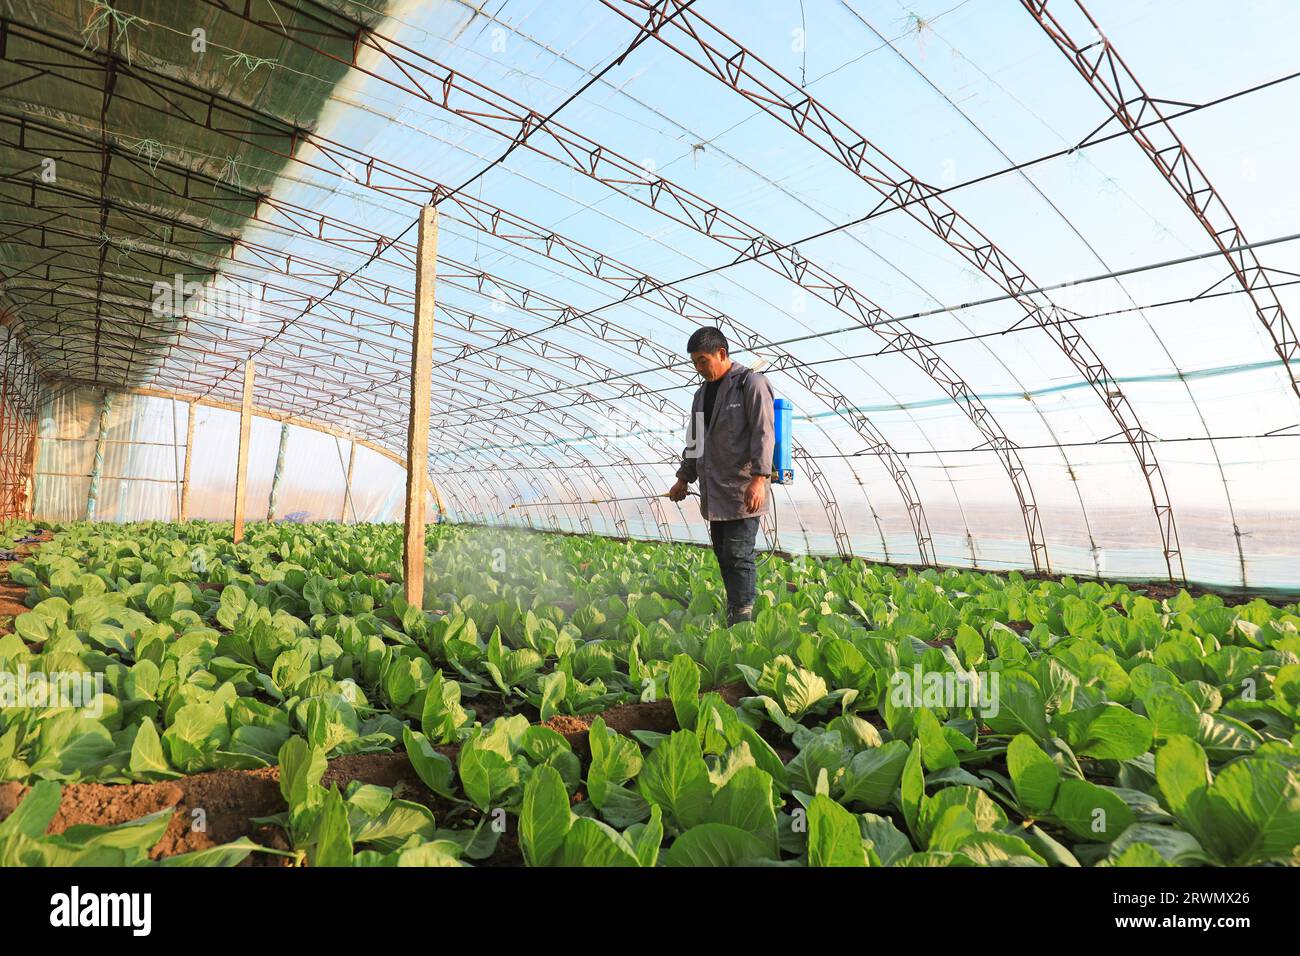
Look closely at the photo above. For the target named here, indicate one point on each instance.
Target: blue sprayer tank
(782, 463)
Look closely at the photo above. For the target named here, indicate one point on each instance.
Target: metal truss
(380, 350)
(479, 104)
(1098, 62)
(19, 390)
(274, 360)
(189, 179)
(343, 235)
(333, 347)
(717, 54)
(430, 82)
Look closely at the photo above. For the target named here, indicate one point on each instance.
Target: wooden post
(347, 484)
(417, 433)
(438, 499)
(241, 473)
(176, 468)
(97, 467)
(273, 504)
(189, 456)
(32, 459)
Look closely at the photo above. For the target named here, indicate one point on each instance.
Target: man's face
(711, 365)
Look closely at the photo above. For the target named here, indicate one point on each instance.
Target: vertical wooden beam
(97, 468)
(189, 457)
(438, 499)
(273, 505)
(176, 466)
(33, 456)
(417, 433)
(347, 484)
(241, 473)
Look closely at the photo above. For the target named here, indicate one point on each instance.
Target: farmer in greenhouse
(729, 443)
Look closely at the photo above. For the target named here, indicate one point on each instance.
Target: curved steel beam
(512, 121)
(266, 257)
(1098, 62)
(725, 59)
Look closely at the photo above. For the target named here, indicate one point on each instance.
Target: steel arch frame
(620, 522)
(529, 122)
(1100, 64)
(799, 111)
(831, 507)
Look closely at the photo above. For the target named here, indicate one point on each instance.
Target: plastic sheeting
(144, 461)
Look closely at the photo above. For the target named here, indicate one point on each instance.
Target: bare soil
(229, 799)
(226, 801)
(13, 596)
(732, 692)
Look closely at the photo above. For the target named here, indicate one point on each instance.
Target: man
(729, 450)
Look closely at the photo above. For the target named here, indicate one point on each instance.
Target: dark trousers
(733, 543)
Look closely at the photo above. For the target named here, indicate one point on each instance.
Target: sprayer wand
(595, 501)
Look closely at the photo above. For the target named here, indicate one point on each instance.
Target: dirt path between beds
(13, 596)
(219, 806)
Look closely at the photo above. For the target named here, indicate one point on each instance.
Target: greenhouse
(649, 433)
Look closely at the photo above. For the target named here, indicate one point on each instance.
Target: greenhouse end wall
(142, 464)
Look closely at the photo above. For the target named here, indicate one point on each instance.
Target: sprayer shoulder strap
(740, 384)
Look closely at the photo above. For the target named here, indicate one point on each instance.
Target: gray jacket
(736, 445)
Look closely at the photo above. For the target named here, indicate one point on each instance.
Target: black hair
(707, 339)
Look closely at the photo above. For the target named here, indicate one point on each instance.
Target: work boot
(737, 614)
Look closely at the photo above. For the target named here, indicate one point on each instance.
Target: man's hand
(678, 491)
(756, 493)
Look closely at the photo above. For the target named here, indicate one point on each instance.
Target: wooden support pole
(241, 472)
(97, 467)
(417, 434)
(347, 485)
(34, 453)
(273, 504)
(176, 467)
(189, 457)
(438, 499)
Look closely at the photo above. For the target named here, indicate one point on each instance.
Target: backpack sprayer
(782, 457)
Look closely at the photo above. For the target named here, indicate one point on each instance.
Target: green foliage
(867, 717)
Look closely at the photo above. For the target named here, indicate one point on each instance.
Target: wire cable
(1288, 431)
